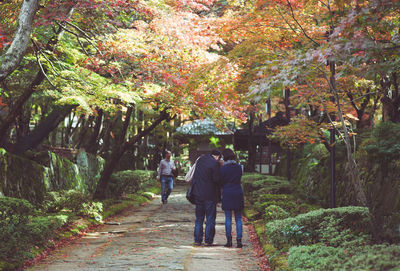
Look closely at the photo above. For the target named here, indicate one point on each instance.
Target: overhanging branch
(11, 59)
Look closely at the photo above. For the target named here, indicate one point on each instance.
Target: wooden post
(269, 141)
(288, 153)
(333, 165)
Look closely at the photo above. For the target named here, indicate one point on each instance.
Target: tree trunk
(82, 135)
(360, 110)
(22, 127)
(17, 106)
(390, 102)
(107, 134)
(11, 59)
(373, 110)
(43, 129)
(68, 129)
(79, 123)
(92, 144)
(113, 160)
(353, 171)
(251, 145)
(124, 130)
(352, 165)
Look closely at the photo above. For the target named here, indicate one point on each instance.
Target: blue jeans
(208, 210)
(228, 223)
(167, 184)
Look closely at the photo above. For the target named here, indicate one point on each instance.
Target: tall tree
(16, 51)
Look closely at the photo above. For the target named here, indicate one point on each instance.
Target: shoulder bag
(189, 178)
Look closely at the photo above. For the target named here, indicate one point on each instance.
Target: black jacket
(206, 179)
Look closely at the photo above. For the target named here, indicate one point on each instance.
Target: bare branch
(87, 37)
(301, 27)
(37, 52)
(361, 97)
(325, 107)
(324, 4)
(286, 21)
(48, 60)
(79, 29)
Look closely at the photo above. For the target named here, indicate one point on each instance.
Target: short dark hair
(165, 153)
(228, 154)
(215, 152)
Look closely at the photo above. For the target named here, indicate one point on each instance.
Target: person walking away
(206, 184)
(166, 176)
(232, 196)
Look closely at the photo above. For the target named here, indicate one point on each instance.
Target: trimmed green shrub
(321, 257)
(20, 230)
(273, 184)
(344, 225)
(74, 200)
(42, 228)
(315, 257)
(14, 210)
(56, 201)
(248, 180)
(129, 181)
(92, 210)
(288, 203)
(14, 218)
(377, 257)
(274, 212)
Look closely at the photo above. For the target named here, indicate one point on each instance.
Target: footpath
(153, 237)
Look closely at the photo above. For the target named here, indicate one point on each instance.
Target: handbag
(189, 178)
(190, 173)
(189, 194)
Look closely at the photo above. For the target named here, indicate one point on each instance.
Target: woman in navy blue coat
(232, 196)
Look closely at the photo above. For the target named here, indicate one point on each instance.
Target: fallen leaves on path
(56, 244)
(257, 247)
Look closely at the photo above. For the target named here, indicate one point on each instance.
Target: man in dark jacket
(206, 189)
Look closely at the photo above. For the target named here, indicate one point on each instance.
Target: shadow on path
(153, 237)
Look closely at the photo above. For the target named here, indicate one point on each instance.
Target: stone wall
(90, 167)
(32, 178)
(22, 178)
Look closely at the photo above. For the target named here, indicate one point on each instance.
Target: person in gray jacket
(166, 176)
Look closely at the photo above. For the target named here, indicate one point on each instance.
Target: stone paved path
(152, 237)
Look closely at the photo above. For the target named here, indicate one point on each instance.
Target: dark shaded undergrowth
(28, 232)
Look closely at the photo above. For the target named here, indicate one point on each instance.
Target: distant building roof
(260, 133)
(202, 127)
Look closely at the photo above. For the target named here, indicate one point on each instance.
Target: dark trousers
(207, 210)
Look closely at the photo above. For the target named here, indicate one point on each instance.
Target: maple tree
(104, 61)
(338, 58)
(108, 73)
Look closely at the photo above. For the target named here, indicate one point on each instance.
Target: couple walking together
(211, 175)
